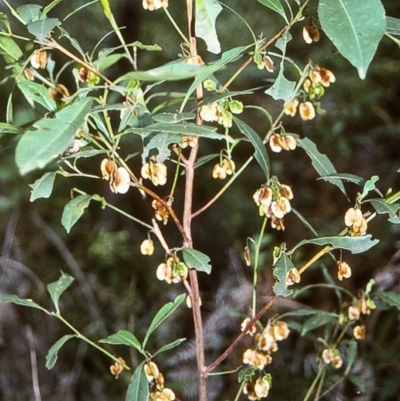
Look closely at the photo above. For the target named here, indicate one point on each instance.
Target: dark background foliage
(115, 285)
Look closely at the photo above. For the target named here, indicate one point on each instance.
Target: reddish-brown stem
(239, 338)
(248, 61)
(187, 223)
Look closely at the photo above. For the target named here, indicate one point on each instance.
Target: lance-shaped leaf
(37, 93)
(281, 270)
(260, 154)
(164, 313)
(74, 210)
(321, 163)
(207, 12)
(10, 129)
(169, 346)
(14, 299)
(382, 207)
(138, 389)
(123, 337)
(52, 355)
(50, 136)
(227, 57)
(319, 319)
(196, 260)
(355, 31)
(43, 187)
(352, 244)
(58, 287)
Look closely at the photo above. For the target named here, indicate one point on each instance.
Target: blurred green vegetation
(359, 133)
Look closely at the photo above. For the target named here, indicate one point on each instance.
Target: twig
(240, 337)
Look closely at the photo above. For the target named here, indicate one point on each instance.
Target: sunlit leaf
(74, 210)
(43, 187)
(58, 287)
(227, 57)
(175, 71)
(169, 346)
(344, 177)
(207, 12)
(50, 136)
(123, 337)
(164, 313)
(282, 88)
(41, 29)
(321, 163)
(10, 49)
(352, 244)
(382, 207)
(260, 153)
(138, 389)
(276, 6)
(370, 186)
(9, 298)
(172, 118)
(280, 272)
(52, 355)
(196, 260)
(355, 31)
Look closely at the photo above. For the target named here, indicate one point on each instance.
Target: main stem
(187, 226)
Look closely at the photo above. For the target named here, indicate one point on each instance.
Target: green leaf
(172, 133)
(282, 88)
(10, 129)
(74, 210)
(52, 355)
(322, 165)
(8, 298)
(43, 187)
(389, 297)
(370, 186)
(355, 31)
(344, 177)
(37, 93)
(175, 71)
(382, 207)
(352, 244)
(196, 260)
(41, 29)
(50, 136)
(207, 12)
(276, 6)
(351, 354)
(280, 272)
(164, 313)
(173, 118)
(393, 26)
(138, 389)
(169, 346)
(260, 154)
(58, 287)
(123, 337)
(30, 12)
(320, 318)
(227, 57)
(10, 50)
